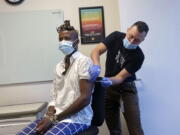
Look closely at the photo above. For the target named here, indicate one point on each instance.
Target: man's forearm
(79, 103)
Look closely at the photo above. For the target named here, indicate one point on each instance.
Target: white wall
(159, 90)
(17, 94)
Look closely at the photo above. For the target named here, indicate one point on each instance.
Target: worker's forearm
(116, 80)
(120, 77)
(95, 57)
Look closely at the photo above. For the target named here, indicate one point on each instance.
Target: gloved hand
(94, 72)
(106, 82)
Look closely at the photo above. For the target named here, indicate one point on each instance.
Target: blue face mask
(128, 45)
(66, 47)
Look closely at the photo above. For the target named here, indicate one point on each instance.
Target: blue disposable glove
(106, 82)
(94, 72)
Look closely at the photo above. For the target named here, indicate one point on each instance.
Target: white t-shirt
(66, 87)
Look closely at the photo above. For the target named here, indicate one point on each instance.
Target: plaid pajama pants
(61, 128)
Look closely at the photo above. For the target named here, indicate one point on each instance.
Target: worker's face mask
(128, 45)
(66, 47)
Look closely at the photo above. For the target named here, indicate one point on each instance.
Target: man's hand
(44, 125)
(94, 72)
(51, 110)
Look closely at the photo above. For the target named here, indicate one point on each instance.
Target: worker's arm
(95, 55)
(114, 80)
(120, 77)
(95, 70)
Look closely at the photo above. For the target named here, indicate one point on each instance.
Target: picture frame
(91, 24)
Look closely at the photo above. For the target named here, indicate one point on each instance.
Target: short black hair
(65, 27)
(142, 26)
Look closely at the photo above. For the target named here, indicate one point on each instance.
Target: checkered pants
(61, 128)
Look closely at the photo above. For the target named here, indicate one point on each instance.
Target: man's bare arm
(81, 102)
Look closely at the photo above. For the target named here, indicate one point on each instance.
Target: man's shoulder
(83, 58)
(80, 55)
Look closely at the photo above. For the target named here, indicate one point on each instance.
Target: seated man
(70, 110)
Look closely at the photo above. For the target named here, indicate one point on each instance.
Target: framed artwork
(91, 24)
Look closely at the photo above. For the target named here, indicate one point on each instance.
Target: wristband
(52, 118)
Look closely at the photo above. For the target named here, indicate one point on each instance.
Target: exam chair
(98, 110)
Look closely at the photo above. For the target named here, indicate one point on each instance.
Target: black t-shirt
(118, 57)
